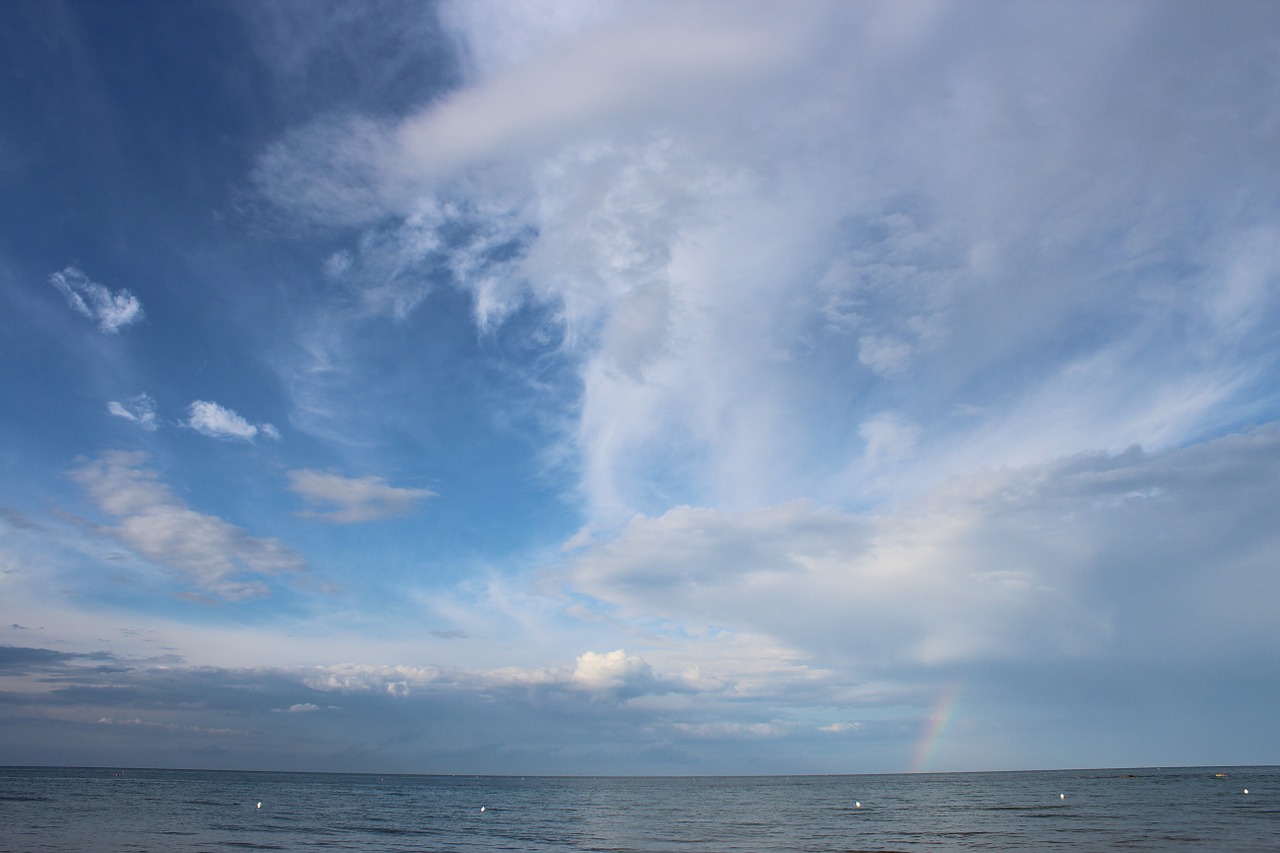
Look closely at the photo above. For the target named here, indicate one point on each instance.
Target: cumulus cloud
(111, 311)
(215, 556)
(141, 410)
(215, 421)
(615, 674)
(352, 499)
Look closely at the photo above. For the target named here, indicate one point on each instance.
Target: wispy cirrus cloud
(346, 500)
(151, 521)
(111, 311)
(749, 283)
(140, 410)
(216, 421)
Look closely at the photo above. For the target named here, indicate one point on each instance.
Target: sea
(1165, 809)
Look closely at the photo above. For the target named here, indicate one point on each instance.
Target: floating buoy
(857, 805)
(259, 804)
(482, 808)
(1062, 796)
(1246, 790)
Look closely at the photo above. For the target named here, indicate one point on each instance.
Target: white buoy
(1062, 796)
(857, 805)
(259, 804)
(482, 808)
(1246, 790)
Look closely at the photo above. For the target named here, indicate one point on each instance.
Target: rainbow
(935, 728)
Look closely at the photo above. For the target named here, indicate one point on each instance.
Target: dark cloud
(21, 660)
(18, 519)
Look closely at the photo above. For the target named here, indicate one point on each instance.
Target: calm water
(47, 809)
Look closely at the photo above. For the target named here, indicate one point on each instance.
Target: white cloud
(215, 421)
(110, 310)
(755, 232)
(860, 307)
(352, 499)
(615, 674)
(887, 356)
(392, 680)
(337, 264)
(931, 272)
(549, 712)
(648, 64)
(734, 731)
(888, 438)
(329, 171)
(1242, 277)
(141, 410)
(1082, 558)
(217, 557)
(494, 35)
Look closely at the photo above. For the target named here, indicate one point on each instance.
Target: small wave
(381, 830)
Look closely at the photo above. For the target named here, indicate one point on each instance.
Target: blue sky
(641, 387)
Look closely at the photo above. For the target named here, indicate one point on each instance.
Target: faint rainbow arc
(927, 746)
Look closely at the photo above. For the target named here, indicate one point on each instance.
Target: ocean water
(1180, 809)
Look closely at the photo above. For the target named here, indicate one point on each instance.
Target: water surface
(1180, 809)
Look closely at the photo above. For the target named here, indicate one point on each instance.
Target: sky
(639, 387)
